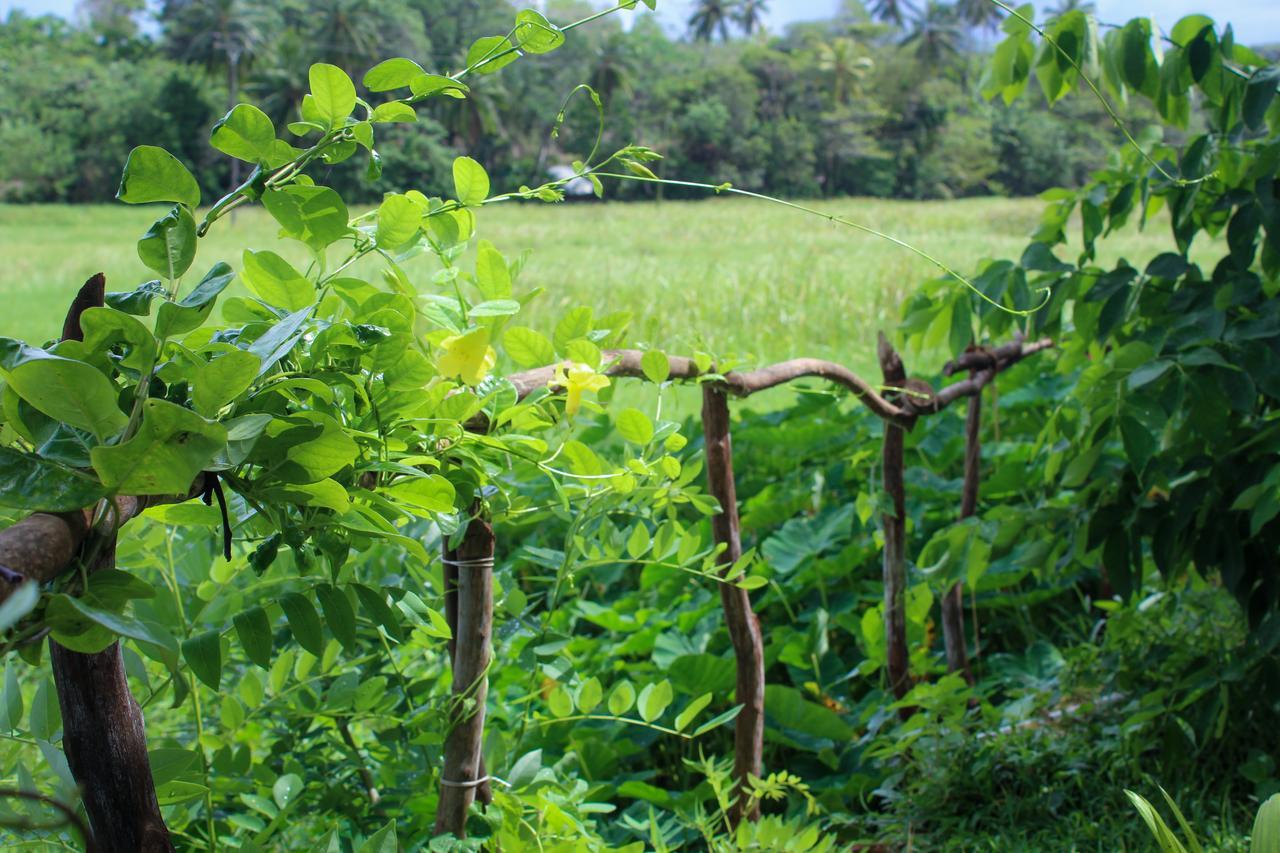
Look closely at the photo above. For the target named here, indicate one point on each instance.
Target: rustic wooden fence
(104, 738)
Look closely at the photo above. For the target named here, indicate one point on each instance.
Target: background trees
(825, 108)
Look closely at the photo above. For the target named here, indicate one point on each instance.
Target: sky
(1255, 21)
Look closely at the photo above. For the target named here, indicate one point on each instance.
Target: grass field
(732, 276)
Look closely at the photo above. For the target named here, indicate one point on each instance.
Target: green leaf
(430, 492)
(655, 365)
(560, 702)
(223, 379)
(316, 216)
(21, 601)
(169, 246)
(589, 695)
(426, 85)
(692, 710)
(333, 92)
(489, 54)
(382, 841)
(495, 308)
(286, 789)
(176, 791)
(46, 715)
(203, 654)
(1258, 95)
(176, 318)
(394, 111)
(470, 181)
(535, 34)
(247, 133)
(254, 630)
(621, 698)
(105, 328)
(1148, 373)
(1266, 826)
(115, 623)
(338, 615)
(66, 390)
(399, 220)
(153, 174)
(527, 347)
(276, 282)
(635, 426)
(638, 542)
(304, 622)
(787, 708)
(654, 699)
(310, 455)
(717, 721)
(392, 74)
(576, 323)
(30, 483)
(375, 602)
(493, 276)
(11, 701)
(171, 447)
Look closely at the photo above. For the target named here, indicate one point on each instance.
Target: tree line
(882, 100)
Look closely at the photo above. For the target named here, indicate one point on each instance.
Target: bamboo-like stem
(462, 751)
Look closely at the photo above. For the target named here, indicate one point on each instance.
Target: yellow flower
(576, 378)
(468, 357)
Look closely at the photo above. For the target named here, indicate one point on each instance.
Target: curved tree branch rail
(45, 545)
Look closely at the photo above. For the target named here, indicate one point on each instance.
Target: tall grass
(730, 276)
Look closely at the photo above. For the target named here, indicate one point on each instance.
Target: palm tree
(893, 12)
(612, 66)
(750, 14)
(1065, 6)
(848, 66)
(711, 18)
(221, 34)
(980, 14)
(935, 33)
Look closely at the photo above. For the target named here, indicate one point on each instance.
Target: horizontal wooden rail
(44, 545)
(917, 397)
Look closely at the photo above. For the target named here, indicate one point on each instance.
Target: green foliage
(299, 691)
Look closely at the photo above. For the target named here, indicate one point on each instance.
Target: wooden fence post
(953, 599)
(484, 791)
(462, 775)
(743, 625)
(895, 559)
(103, 734)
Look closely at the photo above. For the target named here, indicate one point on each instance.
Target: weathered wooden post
(953, 599)
(103, 734)
(743, 625)
(895, 527)
(463, 775)
(484, 791)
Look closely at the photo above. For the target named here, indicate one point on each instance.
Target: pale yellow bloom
(575, 378)
(467, 357)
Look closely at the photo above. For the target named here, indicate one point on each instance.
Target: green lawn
(727, 275)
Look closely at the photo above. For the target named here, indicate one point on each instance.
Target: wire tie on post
(478, 782)
(480, 562)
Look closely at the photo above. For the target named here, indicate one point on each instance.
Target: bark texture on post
(953, 600)
(103, 734)
(895, 558)
(484, 791)
(106, 745)
(462, 748)
(743, 625)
